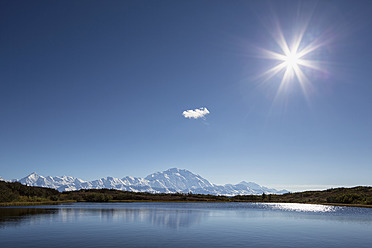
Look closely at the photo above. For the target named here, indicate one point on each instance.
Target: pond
(185, 225)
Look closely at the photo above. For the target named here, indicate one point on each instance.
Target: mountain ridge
(173, 180)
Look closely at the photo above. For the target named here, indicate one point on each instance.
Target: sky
(274, 92)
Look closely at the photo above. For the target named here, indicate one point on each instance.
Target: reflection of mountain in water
(170, 218)
(14, 216)
(176, 218)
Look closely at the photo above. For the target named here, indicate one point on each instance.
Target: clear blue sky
(97, 88)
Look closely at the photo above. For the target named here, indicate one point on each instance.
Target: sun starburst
(293, 60)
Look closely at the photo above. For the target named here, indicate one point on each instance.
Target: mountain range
(170, 181)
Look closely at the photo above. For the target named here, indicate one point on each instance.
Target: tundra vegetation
(14, 193)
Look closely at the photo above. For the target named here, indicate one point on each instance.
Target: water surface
(185, 225)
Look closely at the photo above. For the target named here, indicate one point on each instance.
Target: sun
(294, 59)
(291, 60)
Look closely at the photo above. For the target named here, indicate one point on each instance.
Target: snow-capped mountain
(63, 183)
(178, 180)
(169, 181)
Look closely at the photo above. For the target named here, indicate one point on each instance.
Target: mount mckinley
(169, 181)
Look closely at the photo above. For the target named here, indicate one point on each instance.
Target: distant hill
(170, 181)
(355, 195)
(15, 193)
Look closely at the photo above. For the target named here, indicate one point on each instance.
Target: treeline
(105, 195)
(357, 195)
(16, 192)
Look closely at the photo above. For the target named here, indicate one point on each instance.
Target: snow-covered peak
(34, 180)
(250, 185)
(128, 180)
(33, 175)
(60, 183)
(178, 180)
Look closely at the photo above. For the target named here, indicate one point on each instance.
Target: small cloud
(196, 113)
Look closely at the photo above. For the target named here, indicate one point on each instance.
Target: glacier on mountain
(170, 181)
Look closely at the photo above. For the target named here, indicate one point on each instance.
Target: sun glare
(293, 59)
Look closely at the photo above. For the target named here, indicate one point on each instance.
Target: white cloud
(196, 113)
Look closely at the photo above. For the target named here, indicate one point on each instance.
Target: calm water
(185, 225)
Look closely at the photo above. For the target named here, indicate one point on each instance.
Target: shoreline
(25, 204)
(345, 205)
(20, 204)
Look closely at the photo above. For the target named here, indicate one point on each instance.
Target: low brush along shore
(16, 194)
